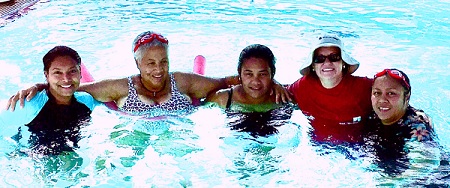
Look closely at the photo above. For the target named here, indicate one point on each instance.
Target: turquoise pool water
(194, 151)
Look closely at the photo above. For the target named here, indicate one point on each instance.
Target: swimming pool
(191, 151)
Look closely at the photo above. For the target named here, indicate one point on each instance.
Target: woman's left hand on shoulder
(282, 95)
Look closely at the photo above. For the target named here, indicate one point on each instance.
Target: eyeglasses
(394, 74)
(149, 38)
(331, 57)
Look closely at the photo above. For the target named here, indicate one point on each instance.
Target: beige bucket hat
(326, 41)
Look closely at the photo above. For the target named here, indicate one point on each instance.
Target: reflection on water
(259, 123)
(191, 152)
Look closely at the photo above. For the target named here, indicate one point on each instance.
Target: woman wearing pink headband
(391, 91)
(394, 123)
(155, 89)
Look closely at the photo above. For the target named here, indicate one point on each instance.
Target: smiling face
(328, 71)
(256, 79)
(154, 67)
(63, 77)
(388, 99)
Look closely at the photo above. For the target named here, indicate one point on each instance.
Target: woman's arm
(106, 90)
(200, 86)
(103, 91)
(10, 120)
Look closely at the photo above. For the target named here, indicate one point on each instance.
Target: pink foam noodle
(199, 68)
(199, 65)
(85, 75)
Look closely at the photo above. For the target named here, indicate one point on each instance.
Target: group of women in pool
(341, 107)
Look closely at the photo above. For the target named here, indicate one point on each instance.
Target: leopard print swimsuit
(177, 102)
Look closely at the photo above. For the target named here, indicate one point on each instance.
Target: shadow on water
(259, 123)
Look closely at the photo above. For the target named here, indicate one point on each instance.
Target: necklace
(154, 92)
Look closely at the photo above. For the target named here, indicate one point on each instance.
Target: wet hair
(138, 53)
(259, 123)
(407, 94)
(59, 51)
(257, 51)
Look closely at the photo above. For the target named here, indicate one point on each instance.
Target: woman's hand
(28, 93)
(281, 93)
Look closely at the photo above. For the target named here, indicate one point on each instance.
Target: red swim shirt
(337, 113)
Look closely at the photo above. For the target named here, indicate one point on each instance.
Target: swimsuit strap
(131, 89)
(173, 85)
(230, 96)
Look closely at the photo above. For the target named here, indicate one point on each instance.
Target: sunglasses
(323, 58)
(394, 74)
(149, 38)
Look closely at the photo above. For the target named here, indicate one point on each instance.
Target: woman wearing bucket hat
(336, 102)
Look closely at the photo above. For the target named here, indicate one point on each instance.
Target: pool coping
(15, 8)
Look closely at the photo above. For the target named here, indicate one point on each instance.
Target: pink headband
(149, 38)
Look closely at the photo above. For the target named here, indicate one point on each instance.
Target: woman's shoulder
(219, 97)
(357, 83)
(183, 80)
(303, 82)
(180, 76)
(86, 99)
(362, 80)
(414, 115)
(26, 114)
(419, 122)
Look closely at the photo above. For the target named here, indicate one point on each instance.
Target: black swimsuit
(230, 97)
(56, 127)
